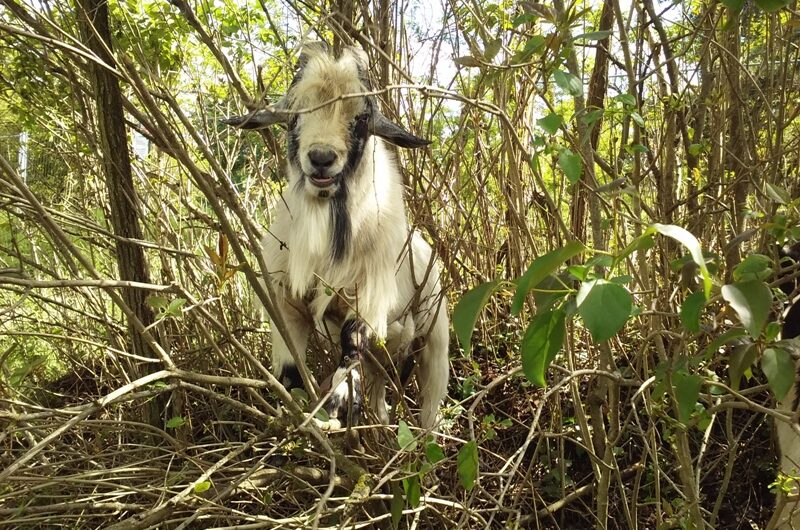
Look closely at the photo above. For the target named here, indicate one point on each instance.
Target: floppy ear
(393, 133)
(260, 119)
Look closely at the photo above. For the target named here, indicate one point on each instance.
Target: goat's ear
(393, 133)
(259, 119)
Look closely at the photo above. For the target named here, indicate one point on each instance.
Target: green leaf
(571, 164)
(751, 301)
(434, 452)
(541, 268)
(695, 149)
(753, 267)
(568, 82)
(691, 309)
(175, 422)
(772, 5)
(542, 341)
(627, 100)
(468, 464)
(727, 337)
(734, 5)
(522, 19)
(743, 356)
(398, 503)
(687, 390)
(604, 307)
(635, 116)
(157, 301)
(200, 487)
(594, 35)
(779, 368)
(413, 490)
(466, 312)
(532, 45)
(778, 194)
(174, 308)
(468, 61)
(691, 243)
(551, 122)
(405, 438)
(490, 52)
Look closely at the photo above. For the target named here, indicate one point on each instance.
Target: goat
(339, 252)
(788, 439)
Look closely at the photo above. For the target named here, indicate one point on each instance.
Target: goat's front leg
(346, 397)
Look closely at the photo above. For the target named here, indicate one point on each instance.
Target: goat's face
(330, 117)
(327, 143)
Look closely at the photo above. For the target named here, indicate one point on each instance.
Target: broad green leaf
(743, 356)
(542, 341)
(695, 149)
(568, 82)
(604, 308)
(468, 464)
(643, 242)
(405, 438)
(691, 309)
(174, 308)
(727, 337)
(468, 61)
(571, 164)
(157, 301)
(628, 100)
(751, 301)
(522, 19)
(551, 122)
(532, 45)
(175, 422)
(200, 487)
(491, 49)
(687, 390)
(434, 452)
(753, 267)
(413, 490)
(778, 194)
(687, 239)
(779, 368)
(541, 268)
(398, 503)
(466, 312)
(772, 5)
(734, 5)
(635, 116)
(593, 35)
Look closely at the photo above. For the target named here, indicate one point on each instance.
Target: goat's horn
(259, 119)
(393, 133)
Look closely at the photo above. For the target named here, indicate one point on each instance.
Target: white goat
(339, 251)
(788, 439)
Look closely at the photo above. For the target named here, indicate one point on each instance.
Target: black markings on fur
(791, 330)
(340, 217)
(290, 377)
(354, 340)
(338, 407)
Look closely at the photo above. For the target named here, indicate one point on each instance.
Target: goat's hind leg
(433, 372)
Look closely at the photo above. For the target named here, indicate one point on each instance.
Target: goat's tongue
(319, 179)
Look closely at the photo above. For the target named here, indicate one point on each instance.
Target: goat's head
(328, 132)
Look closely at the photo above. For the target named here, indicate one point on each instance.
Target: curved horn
(393, 133)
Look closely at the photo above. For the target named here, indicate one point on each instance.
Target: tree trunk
(122, 197)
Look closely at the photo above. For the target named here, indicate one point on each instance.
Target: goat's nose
(322, 159)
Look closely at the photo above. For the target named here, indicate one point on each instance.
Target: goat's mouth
(321, 181)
